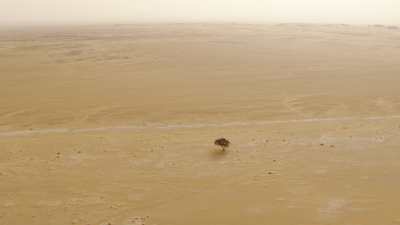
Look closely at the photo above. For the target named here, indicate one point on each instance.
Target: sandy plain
(115, 124)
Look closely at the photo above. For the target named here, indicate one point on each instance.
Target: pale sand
(116, 124)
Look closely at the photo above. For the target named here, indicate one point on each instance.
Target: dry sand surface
(116, 124)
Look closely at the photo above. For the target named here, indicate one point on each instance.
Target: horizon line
(127, 23)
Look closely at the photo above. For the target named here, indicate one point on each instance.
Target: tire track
(187, 126)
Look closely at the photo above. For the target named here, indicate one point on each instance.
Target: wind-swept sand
(116, 124)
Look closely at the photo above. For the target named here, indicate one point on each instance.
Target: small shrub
(223, 143)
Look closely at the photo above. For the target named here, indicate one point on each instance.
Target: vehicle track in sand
(17, 133)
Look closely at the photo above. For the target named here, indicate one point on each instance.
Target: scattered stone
(138, 220)
(332, 146)
(270, 173)
(322, 144)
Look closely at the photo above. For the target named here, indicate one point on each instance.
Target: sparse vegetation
(223, 143)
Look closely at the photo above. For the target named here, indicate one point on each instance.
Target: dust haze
(22, 12)
(244, 112)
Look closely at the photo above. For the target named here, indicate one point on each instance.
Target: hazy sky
(115, 11)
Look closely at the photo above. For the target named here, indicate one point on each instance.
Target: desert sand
(115, 124)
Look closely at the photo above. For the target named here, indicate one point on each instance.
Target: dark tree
(223, 143)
